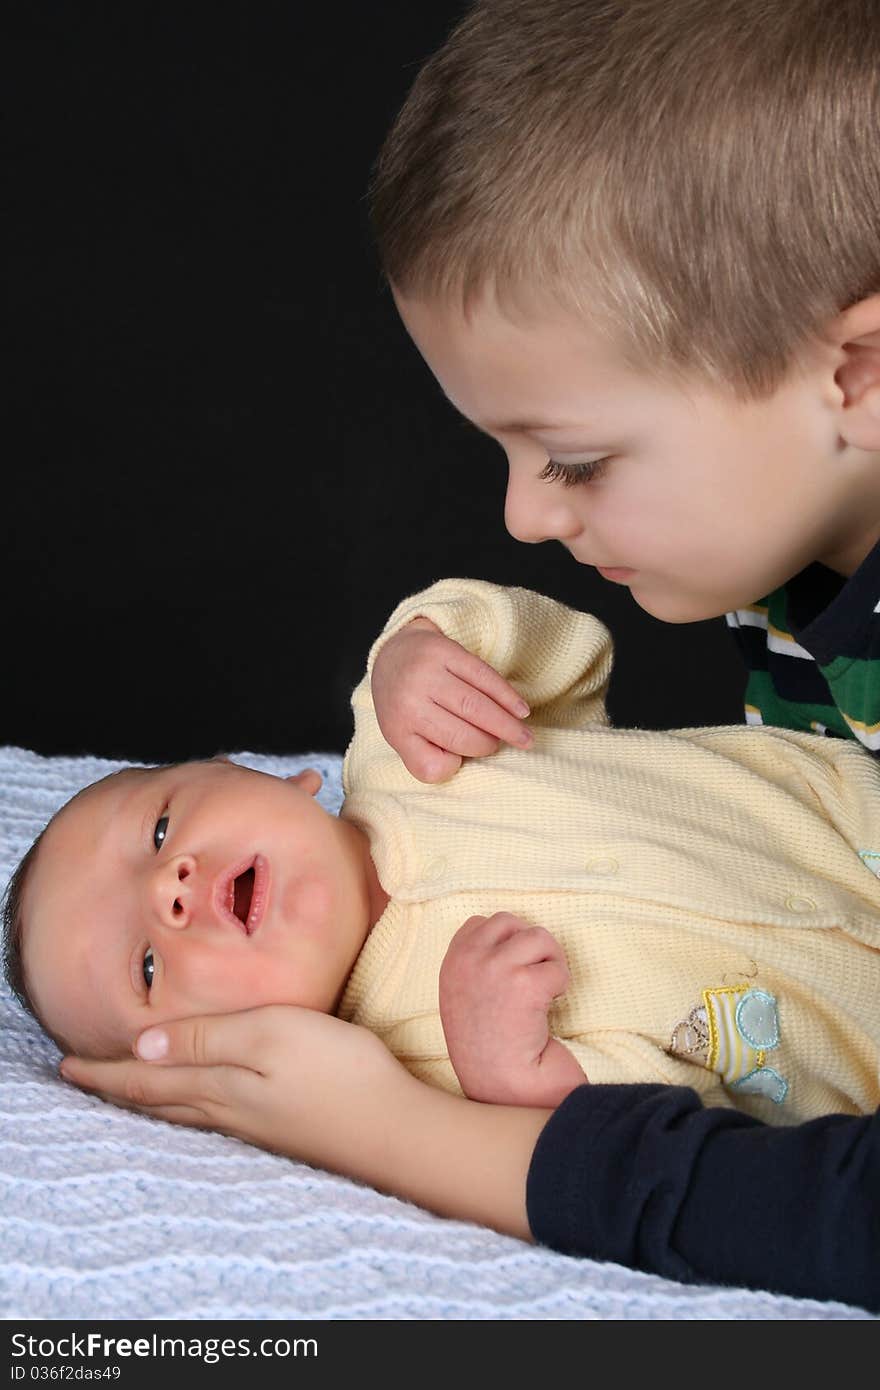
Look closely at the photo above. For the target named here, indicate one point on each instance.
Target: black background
(227, 462)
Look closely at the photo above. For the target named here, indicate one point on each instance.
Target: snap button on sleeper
(795, 903)
(435, 869)
(608, 865)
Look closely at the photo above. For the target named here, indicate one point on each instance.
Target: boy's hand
(329, 1093)
(288, 1079)
(437, 703)
(498, 979)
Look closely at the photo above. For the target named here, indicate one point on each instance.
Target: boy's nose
(535, 511)
(173, 891)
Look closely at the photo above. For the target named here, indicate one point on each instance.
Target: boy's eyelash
(570, 474)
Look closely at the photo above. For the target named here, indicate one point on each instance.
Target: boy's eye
(160, 832)
(148, 967)
(570, 474)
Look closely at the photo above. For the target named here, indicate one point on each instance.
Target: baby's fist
(497, 982)
(437, 703)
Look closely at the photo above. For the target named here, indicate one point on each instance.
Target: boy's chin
(671, 607)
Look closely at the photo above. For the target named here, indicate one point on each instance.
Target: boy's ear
(309, 779)
(856, 332)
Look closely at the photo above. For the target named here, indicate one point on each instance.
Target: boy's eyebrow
(525, 426)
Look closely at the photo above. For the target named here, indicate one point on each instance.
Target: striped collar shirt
(812, 649)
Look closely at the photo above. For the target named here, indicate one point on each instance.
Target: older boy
(637, 245)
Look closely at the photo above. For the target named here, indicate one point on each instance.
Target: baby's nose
(173, 889)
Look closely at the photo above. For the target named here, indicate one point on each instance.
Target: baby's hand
(437, 703)
(498, 979)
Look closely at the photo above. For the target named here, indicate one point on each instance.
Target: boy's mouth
(618, 574)
(241, 893)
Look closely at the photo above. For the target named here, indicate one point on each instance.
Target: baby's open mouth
(241, 893)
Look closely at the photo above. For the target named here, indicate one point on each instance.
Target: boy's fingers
(214, 1040)
(184, 1047)
(484, 677)
(238, 1041)
(142, 1086)
(181, 1115)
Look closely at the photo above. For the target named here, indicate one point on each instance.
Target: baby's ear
(309, 779)
(857, 332)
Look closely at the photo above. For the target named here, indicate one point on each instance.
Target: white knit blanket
(107, 1214)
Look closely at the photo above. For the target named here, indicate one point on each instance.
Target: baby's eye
(148, 967)
(160, 832)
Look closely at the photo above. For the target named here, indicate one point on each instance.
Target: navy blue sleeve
(647, 1177)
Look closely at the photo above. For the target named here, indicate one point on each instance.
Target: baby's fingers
(531, 946)
(550, 979)
(482, 676)
(426, 761)
(444, 730)
(482, 712)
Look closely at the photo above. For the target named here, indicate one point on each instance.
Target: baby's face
(702, 503)
(195, 889)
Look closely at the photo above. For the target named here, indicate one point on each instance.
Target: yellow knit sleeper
(713, 889)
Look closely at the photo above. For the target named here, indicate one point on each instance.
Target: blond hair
(701, 176)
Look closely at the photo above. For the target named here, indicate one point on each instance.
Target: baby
(697, 907)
